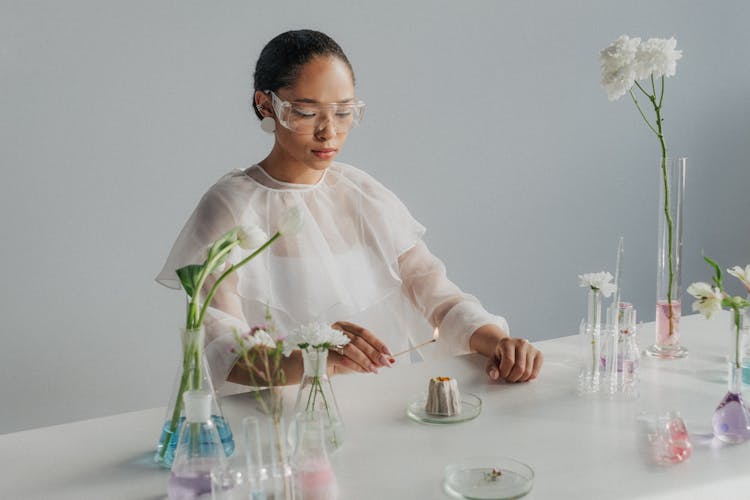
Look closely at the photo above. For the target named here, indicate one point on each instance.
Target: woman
(359, 261)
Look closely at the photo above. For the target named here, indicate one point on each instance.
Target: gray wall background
(485, 117)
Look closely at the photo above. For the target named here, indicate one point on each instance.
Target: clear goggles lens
(307, 118)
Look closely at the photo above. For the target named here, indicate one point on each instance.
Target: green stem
(229, 271)
(635, 101)
(195, 319)
(667, 217)
(187, 357)
(737, 319)
(661, 96)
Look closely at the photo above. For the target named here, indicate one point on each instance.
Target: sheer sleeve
(456, 314)
(211, 218)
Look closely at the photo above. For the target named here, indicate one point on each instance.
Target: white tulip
(251, 237)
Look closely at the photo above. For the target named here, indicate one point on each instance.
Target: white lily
(709, 298)
(741, 274)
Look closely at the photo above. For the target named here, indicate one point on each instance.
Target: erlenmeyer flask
(192, 374)
(316, 394)
(199, 450)
(314, 478)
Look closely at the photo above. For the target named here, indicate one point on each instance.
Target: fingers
(364, 348)
(515, 360)
(340, 363)
(363, 334)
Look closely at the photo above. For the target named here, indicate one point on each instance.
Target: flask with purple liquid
(199, 450)
(731, 419)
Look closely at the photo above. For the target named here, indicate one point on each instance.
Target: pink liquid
(673, 446)
(317, 479)
(663, 337)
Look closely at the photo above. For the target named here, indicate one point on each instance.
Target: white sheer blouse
(359, 257)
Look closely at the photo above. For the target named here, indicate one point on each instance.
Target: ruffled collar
(259, 175)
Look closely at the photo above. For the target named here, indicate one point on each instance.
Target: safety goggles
(307, 118)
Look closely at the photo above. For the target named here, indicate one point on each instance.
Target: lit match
(434, 338)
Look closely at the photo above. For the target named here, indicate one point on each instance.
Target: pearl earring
(268, 124)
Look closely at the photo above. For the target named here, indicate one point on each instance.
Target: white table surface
(579, 447)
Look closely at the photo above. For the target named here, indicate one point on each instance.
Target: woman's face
(322, 80)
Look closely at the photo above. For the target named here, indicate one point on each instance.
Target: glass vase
(668, 271)
(316, 394)
(731, 419)
(192, 375)
(589, 374)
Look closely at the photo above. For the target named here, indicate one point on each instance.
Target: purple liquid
(663, 337)
(188, 488)
(731, 420)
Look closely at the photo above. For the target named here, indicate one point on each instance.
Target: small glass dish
(488, 478)
(471, 407)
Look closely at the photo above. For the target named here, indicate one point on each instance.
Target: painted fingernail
(494, 374)
(373, 369)
(386, 350)
(384, 361)
(392, 360)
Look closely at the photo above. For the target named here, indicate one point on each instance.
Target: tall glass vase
(316, 394)
(731, 419)
(589, 375)
(192, 375)
(668, 271)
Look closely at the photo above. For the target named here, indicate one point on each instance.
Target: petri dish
(488, 478)
(471, 407)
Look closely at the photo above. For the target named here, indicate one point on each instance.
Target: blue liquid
(746, 373)
(225, 433)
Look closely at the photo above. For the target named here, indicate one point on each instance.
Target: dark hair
(282, 58)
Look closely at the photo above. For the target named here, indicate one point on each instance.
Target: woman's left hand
(514, 360)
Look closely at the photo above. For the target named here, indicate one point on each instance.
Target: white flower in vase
(709, 298)
(251, 237)
(657, 57)
(317, 336)
(741, 274)
(618, 73)
(601, 282)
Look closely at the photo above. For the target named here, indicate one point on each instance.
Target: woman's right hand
(365, 352)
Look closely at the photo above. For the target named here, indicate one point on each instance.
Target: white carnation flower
(598, 281)
(292, 220)
(255, 338)
(260, 338)
(618, 73)
(317, 335)
(656, 56)
(251, 237)
(741, 274)
(709, 298)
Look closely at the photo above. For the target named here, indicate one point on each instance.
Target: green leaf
(189, 276)
(717, 270)
(225, 239)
